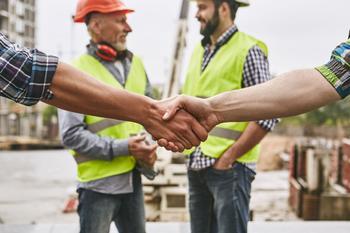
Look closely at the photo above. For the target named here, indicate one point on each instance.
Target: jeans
(219, 200)
(98, 210)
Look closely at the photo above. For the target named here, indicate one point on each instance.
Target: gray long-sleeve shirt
(74, 135)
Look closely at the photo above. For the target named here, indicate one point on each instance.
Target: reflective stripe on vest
(221, 132)
(104, 124)
(89, 169)
(225, 133)
(94, 128)
(223, 73)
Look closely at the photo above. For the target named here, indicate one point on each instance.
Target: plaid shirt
(25, 75)
(255, 71)
(337, 70)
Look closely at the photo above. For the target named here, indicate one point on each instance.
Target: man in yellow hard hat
(221, 169)
(107, 151)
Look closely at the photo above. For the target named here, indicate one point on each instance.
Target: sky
(299, 33)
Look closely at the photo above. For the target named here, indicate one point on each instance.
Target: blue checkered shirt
(255, 71)
(25, 74)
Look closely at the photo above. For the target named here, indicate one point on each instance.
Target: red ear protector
(106, 52)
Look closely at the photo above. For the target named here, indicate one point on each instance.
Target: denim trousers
(219, 199)
(98, 210)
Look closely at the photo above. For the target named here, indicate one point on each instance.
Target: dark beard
(211, 26)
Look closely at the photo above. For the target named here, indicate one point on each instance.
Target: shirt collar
(223, 38)
(91, 48)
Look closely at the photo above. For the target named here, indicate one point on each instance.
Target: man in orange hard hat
(106, 153)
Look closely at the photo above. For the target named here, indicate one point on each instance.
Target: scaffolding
(172, 87)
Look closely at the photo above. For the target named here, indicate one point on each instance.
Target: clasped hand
(180, 122)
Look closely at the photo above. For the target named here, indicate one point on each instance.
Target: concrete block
(147, 190)
(335, 206)
(312, 170)
(172, 170)
(163, 158)
(158, 181)
(176, 174)
(174, 199)
(311, 206)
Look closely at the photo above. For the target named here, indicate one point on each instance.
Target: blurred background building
(17, 22)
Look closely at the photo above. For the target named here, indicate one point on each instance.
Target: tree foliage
(332, 114)
(48, 112)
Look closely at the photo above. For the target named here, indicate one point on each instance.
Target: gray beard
(119, 46)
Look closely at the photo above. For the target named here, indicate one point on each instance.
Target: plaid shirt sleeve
(256, 71)
(25, 75)
(337, 70)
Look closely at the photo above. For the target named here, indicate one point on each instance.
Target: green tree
(48, 112)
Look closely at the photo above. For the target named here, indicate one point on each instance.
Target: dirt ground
(272, 146)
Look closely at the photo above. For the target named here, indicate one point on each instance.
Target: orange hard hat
(85, 7)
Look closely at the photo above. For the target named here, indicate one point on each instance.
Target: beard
(211, 25)
(119, 46)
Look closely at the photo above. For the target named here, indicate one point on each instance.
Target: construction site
(302, 180)
(310, 192)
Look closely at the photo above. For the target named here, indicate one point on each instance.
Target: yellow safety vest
(89, 169)
(223, 73)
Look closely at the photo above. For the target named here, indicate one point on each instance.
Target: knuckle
(184, 128)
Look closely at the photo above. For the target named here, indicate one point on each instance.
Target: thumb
(153, 148)
(139, 138)
(171, 111)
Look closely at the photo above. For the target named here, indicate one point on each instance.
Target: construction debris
(71, 204)
(166, 195)
(320, 179)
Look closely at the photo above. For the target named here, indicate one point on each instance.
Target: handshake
(180, 122)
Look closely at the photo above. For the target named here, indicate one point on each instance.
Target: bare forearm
(288, 94)
(76, 91)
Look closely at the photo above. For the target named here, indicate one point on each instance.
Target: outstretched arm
(28, 75)
(289, 94)
(286, 95)
(76, 91)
